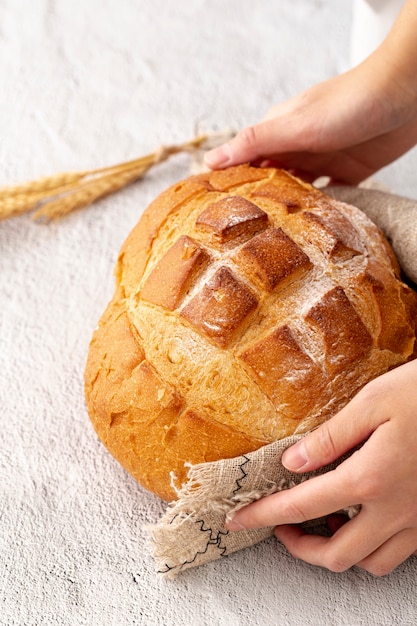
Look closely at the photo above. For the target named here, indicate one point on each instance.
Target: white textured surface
(90, 83)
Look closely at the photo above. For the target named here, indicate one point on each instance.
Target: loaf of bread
(248, 306)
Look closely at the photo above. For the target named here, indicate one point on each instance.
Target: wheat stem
(60, 194)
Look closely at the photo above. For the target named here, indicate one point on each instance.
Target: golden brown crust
(231, 219)
(344, 342)
(221, 308)
(271, 257)
(284, 370)
(248, 306)
(174, 274)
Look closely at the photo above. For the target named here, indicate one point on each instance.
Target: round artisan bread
(248, 306)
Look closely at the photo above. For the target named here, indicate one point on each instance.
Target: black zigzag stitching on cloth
(244, 474)
(215, 539)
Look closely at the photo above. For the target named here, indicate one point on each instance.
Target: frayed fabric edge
(192, 530)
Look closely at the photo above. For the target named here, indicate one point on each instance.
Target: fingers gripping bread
(248, 306)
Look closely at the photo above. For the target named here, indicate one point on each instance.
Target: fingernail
(296, 457)
(233, 524)
(218, 157)
(277, 532)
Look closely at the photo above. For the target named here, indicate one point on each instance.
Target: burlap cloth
(191, 532)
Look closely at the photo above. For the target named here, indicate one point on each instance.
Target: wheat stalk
(56, 196)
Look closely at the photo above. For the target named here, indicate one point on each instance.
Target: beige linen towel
(191, 532)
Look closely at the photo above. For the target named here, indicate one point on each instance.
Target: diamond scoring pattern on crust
(232, 218)
(344, 341)
(173, 276)
(271, 257)
(284, 370)
(333, 233)
(223, 306)
(288, 194)
(220, 309)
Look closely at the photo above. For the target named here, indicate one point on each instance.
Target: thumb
(250, 144)
(348, 428)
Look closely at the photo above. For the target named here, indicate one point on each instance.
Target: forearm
(396, 61)
(401, 43)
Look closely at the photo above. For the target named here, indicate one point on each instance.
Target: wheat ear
(60, 194)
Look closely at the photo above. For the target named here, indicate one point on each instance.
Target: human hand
(381, 476)
(346, 128)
